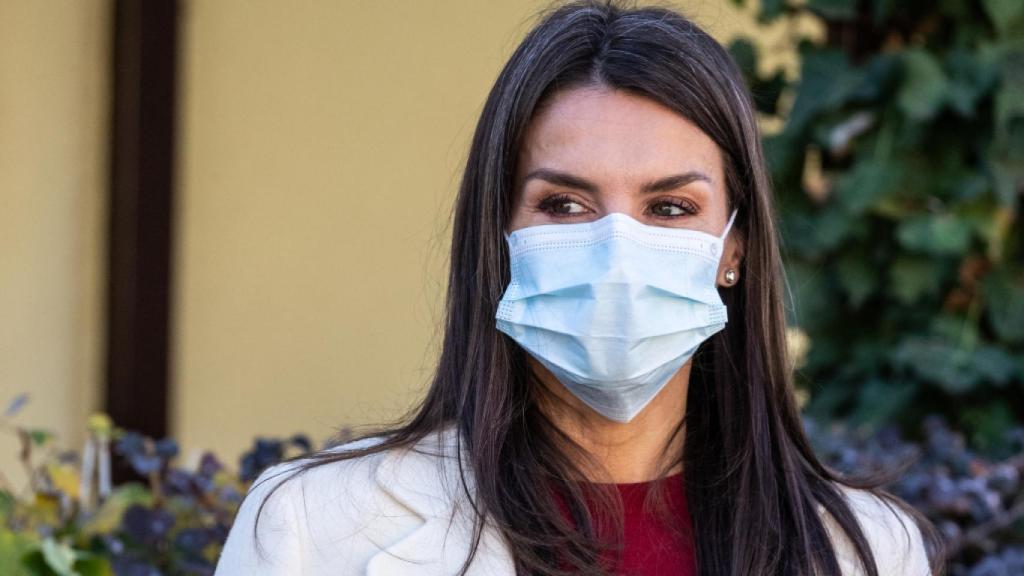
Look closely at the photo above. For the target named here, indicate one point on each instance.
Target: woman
(613, 394)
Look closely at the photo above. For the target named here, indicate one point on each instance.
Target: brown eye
(561, 205)
(568, 207)
(668, 209)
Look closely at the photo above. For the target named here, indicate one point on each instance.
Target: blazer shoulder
(331, 518)
(893, 534)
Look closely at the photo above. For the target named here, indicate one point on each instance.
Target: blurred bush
(70, 521)
(899, 171)
(976, 503)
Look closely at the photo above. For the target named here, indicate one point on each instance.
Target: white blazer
(388, 514)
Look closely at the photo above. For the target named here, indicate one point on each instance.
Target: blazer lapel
(426, 480)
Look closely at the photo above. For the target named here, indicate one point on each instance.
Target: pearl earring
(730, 276)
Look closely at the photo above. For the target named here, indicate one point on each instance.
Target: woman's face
(593, 151)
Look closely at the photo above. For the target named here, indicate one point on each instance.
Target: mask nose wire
(729, 224)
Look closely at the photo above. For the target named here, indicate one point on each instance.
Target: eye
(671, 208)
(561, 204)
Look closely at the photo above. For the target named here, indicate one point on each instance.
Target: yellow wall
(53, 142)
(322, 144)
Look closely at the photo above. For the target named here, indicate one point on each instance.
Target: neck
(640, 450)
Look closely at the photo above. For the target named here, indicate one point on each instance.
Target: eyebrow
(572, 181)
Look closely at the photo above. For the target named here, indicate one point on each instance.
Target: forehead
(616, 137)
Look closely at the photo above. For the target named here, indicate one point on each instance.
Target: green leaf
(834, 9)
(40, 437)
(938, 234)
(766, 93)
(783, 152)
(1004, 14)
(881, 10)
(877, 79)
(938, 362)
(1005, 299)
(744, 53)
(770, 10)
(7, 503)
(89, 564)
(833, 226)
(971, 78)
(826, 81)
(1007, 175)
(811, 303)
(108, 517)
(14, 547)
(988, 425)
(59, 556)
(994, 364)
(971, 186)
(924, 88)
(952, 328)
(862, 187)
(880, 401)
(955, 368)
(1007, 148)
(912, 278)
(1009, 103)
(825, 402)
(857, 277)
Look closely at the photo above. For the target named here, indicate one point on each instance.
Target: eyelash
(548, 204)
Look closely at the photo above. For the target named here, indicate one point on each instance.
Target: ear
(732, 257)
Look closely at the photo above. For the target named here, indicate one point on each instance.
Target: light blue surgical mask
(613, 308)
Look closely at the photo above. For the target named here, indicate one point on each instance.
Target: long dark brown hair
(752, 481)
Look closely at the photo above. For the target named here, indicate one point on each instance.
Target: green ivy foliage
(899, 173)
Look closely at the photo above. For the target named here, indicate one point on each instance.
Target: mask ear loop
(729, 224)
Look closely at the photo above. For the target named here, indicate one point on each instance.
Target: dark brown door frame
(140, 213)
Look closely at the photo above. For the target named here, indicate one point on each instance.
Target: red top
(650, 547)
